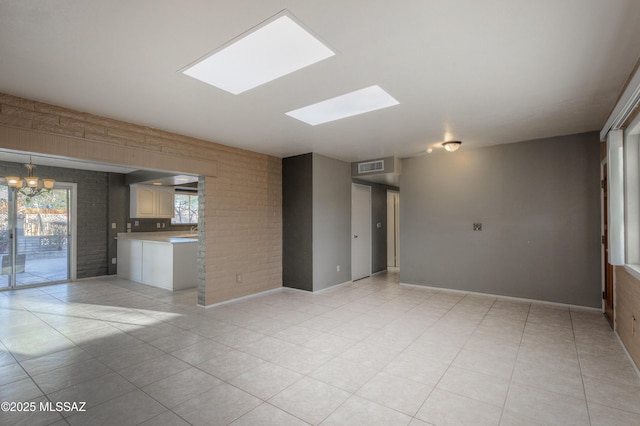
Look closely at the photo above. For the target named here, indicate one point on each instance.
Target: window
(186, 208)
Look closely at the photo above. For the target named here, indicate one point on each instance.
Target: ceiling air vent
(371, 166)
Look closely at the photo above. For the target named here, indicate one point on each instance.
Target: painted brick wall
(242, 189)
(92, 192)
(627, 307)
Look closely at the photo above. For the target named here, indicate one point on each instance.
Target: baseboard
(624, 348)
(333, 286)
(237, 299)
(500, 296)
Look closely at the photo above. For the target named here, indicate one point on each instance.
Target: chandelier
(31, 185)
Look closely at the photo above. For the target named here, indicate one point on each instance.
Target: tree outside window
(186, 209)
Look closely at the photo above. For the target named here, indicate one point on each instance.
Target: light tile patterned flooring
(371, 352)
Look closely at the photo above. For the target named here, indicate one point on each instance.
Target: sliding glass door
(35, 234)
(5, 238)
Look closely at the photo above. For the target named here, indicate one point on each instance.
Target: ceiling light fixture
(364, 100)
(31, 185)
(275, 48)
(452, 146)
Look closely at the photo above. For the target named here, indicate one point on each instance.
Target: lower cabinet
(165, 265)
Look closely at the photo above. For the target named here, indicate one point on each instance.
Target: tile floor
(367, 353)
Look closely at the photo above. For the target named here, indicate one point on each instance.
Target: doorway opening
(37, 236)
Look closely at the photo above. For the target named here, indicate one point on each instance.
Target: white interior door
(360, 231)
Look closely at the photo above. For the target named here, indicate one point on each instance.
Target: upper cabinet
(148, 201)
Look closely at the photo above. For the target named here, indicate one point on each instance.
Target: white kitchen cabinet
(154, 202)
(130, 259)
(168, 263)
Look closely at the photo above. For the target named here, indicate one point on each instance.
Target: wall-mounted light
(452, 146)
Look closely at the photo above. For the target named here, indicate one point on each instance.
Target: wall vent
(371, 166)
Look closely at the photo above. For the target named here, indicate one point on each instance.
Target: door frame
(395, 226)
(369, 228)
(72, 264)
(608, 288)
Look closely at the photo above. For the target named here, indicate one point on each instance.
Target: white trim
(633, 270)
(624, 348)
(500, 296)
(266, 292)
(625, 105)
(237, 299)
(73, 254)
(317, 291)
(615, 196)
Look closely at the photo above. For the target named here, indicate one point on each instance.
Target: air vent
(371, 166)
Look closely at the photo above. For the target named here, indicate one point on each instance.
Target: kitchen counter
(159, 237)
(161, 259)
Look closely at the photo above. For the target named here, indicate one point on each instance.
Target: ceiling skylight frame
(357, 102)
(303, 42)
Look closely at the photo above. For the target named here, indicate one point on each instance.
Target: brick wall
(627, 307)
(242, 190)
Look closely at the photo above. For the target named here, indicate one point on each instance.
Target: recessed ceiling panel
(273, 50)
(364, 100)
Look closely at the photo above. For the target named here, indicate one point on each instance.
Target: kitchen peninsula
(161, 259)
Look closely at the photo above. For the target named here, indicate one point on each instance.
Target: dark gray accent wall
(92, 199)
(118, 209)
(538, 202)
(297, 222)
(331, 222)
(378, 215)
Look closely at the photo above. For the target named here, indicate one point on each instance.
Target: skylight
(271, 51)
(364, 100)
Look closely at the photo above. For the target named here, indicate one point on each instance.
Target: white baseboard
(624, 348)
(237, 299)
(517, 299)
(333, 286)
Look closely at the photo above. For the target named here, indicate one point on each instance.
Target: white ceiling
(485, 72)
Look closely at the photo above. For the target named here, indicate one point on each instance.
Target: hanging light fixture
(31, 185)
(452, 146)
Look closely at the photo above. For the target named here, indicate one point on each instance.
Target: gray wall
(331, 222)
(539, 205)
(297, 225)
(118, 214)
(92, 213)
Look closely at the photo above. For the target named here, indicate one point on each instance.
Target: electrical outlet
(158, 225)
(114, 260)
(136, 223)
(113, 225)
(164, 224)
(238, 278)
(338, 268)
(477, 227)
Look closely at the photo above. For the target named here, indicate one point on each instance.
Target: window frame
(632, 197)
(190, 194)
